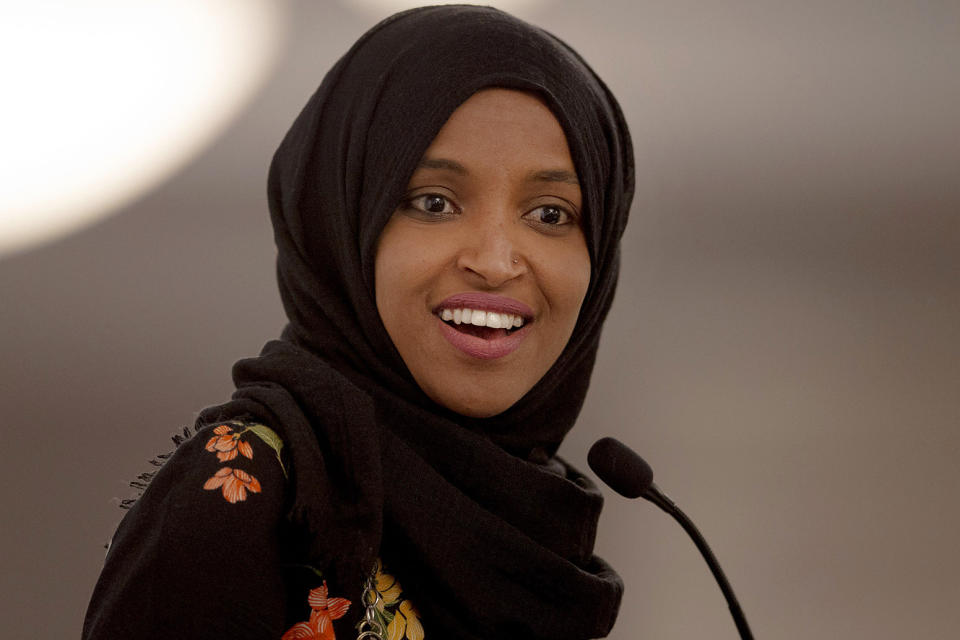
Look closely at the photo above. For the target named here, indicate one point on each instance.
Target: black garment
(490, 535)
(186, 563)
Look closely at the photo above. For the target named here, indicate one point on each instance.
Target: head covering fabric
(490, 534)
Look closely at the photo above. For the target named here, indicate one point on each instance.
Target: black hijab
(490, 535)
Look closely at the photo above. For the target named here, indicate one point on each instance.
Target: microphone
(629, 475)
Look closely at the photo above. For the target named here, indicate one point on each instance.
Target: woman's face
(491, 224)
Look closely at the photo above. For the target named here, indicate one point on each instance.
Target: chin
(484, 405)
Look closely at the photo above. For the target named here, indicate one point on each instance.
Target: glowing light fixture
(104, 99)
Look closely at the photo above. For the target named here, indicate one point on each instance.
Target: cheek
(568, 280)
(401, 267)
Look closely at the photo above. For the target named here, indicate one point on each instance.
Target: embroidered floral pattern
(324, 611)
(227, 444)
(397, 615)
(234, 483)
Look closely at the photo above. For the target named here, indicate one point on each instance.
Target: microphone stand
(657, 497)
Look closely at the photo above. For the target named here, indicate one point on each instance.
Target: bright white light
(104, 99)
(384, 8)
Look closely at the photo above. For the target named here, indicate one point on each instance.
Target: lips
(484, 342)
(486, 302)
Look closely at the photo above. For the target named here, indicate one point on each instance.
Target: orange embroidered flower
(325, 611)
(226, 444)
(234, 483)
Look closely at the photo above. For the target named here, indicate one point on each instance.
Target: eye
(430, 203)
(550, 215)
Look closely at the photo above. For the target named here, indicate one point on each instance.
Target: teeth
(482, 318)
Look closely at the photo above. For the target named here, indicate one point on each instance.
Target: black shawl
(490, 535)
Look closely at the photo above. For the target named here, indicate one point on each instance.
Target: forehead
(503, 125)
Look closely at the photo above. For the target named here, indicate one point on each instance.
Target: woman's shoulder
(223, 487)
(202, 543)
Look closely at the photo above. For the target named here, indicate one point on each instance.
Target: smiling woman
(447, 213)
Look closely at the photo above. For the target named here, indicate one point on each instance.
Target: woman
(447, 211)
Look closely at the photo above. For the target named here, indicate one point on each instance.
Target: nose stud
(516, 260)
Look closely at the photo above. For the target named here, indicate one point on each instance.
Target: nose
(491, 253)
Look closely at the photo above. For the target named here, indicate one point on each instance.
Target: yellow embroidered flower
(387, 586)
(406, 623)
(404, 620)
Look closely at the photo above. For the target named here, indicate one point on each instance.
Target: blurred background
(784, 348)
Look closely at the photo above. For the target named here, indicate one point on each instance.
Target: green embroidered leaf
(271, 439)
(307, 567)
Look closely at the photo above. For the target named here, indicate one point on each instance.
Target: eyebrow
(549, 175)
(442, 163)
(555, 175)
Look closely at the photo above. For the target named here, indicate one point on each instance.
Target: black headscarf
(490, 535)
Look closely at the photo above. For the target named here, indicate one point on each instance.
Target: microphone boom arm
(657, 497)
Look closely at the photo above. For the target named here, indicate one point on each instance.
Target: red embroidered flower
(234, 482)
(226, 444)
(325, 611)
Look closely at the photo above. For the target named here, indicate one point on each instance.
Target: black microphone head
(617, 465)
